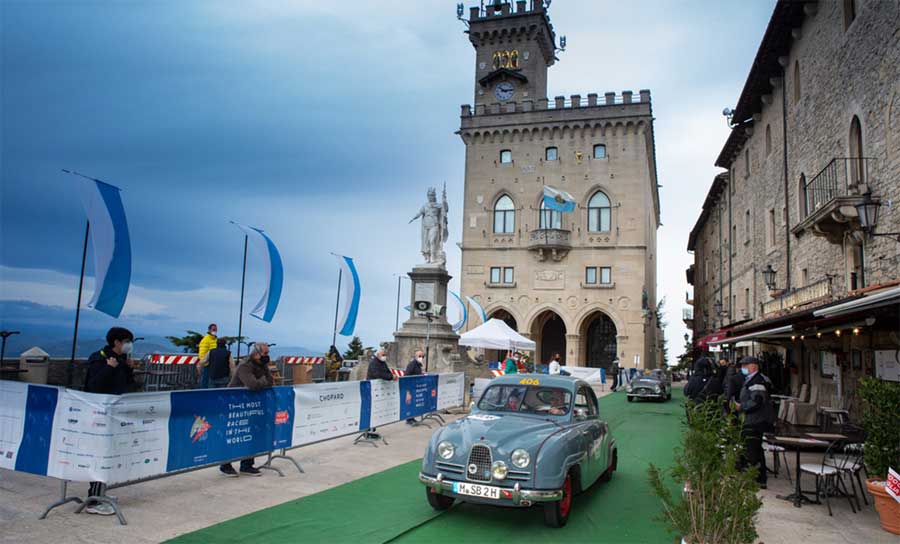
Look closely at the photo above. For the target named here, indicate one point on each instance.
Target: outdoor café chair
(828, 478)
(777, 450)
(851, 463)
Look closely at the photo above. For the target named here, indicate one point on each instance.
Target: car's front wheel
(438, 502)
(556, 514)
(630, 399)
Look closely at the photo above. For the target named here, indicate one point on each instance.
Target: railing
(798, 296)
(549, 238)
(834, 180)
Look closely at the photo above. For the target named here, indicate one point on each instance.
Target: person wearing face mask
(254, 374)
(512, 364)
(759, 415)
(378, 370)
(207, 344)
(414, 368)
(109, 373)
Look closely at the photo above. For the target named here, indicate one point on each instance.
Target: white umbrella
(496, 334)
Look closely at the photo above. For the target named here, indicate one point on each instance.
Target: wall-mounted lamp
(867, 210)
(769, 277)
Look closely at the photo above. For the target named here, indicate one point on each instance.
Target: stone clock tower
(583, 283)
(512, 53)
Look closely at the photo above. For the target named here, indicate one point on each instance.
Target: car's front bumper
(520, 497)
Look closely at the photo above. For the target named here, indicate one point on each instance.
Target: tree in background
(662, 324)
(190, 343)
(354, 349)
(686, 359)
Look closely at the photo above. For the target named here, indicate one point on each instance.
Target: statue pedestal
(429, 282)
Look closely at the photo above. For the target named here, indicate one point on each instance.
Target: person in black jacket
(759, 415)
(378, 370)
(109, 373)
(219, 365)
(414, 368)
(732, 385)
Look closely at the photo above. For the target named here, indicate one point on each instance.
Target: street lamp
(867, 210)
(769, 277)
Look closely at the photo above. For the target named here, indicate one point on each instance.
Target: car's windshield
(526, 399)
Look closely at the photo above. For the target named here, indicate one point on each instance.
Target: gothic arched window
(857, 167)
(504, 215)
(599, 213)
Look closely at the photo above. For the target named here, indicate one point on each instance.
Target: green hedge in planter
(881, 421)
(720, 505)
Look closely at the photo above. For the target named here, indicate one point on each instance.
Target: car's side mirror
(580, 413)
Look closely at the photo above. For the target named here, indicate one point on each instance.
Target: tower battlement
(574, 102)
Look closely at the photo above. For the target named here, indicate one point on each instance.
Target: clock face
(504, 90)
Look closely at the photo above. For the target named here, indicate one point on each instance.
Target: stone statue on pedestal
(434, 228)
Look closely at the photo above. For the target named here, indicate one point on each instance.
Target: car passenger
(513, 402)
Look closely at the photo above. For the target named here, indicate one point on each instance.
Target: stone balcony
(829, 199)
(550, 243)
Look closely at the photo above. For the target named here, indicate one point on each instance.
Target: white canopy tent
(496, 334)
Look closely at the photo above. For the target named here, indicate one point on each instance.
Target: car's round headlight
(499, 470)
(520, 458)
(657, 388)
(445, 450)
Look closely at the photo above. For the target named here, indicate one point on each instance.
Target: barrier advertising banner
(80, 436)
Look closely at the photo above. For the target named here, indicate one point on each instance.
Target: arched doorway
(501, 314)
(549, 331)
(600, 333)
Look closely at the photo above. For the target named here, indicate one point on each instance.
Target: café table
(797, 443)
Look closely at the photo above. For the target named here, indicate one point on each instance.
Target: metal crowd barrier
(170, 371)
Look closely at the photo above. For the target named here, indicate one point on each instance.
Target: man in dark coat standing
(759, 415)
(414, 368)
(254, 374)
(109, 373)
(378, 370)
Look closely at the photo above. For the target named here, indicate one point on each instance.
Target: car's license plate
(476, 490)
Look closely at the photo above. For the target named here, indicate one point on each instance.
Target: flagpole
(241, 313)
(336, 305)
(87, 232)
(397, 315)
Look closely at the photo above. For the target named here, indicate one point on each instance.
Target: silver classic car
(531, 439)
(655, 385)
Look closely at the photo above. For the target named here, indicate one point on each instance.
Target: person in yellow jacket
(207, 343)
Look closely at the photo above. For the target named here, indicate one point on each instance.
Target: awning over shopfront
(705, 341)
(752, 336)
(871, 300)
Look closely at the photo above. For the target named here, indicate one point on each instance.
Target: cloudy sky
(322, 123)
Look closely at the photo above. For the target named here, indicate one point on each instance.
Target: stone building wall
(843, 71)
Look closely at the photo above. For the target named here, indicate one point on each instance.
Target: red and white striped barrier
(397, 372)
(289, 360)
(496, 373)
(177, 359)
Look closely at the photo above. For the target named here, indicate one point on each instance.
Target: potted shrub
(881, 421)
(719, 502)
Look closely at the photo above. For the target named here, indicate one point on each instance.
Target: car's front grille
(450, 467)
(643, 391)
(479, 465)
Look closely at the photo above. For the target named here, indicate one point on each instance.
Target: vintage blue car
(530, 439)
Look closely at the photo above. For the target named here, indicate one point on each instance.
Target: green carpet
(391, 506)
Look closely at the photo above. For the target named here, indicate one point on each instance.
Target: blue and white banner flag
(274, 273)
(463, 313)
(557, 200)
(478, 307)
(350, 291)
(112, 244)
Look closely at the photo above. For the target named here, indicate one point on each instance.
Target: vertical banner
(112, 244)
(325, 410)
(350, 293)
(209, 426)
(418, 395)
(274, 272)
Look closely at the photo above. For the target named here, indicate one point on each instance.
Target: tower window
(599, 151)
(599, 213)
(849, 13)
(504, 215)
(590, 275)
(605, 275)
(797, 88)
(505, 156)
(502, 275)
(551, 154)
(768, 139)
